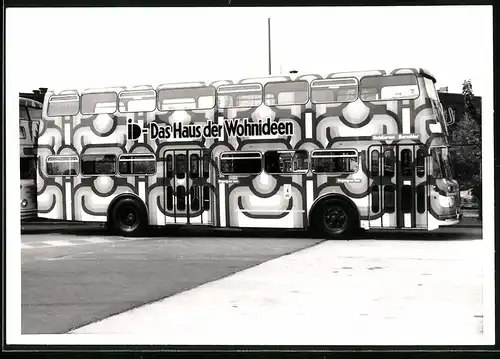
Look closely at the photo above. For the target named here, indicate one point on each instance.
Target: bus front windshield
(441, 163)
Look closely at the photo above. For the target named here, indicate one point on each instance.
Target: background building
(36, 95)
(454, 102)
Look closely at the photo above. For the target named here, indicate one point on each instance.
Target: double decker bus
(30, 115)
(334, 154)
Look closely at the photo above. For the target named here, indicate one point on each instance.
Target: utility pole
(269, 41)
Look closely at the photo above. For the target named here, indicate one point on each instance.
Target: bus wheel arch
(127, 214)
(334, 208)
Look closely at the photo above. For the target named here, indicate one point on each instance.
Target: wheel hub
(129, 217)
(335, 218)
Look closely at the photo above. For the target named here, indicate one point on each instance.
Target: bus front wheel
(334, 218)
(128, 217)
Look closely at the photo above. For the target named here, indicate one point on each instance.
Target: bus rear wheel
(335, 219)
(128, 217)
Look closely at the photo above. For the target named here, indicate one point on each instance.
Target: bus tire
(334, 218)
(128, 217)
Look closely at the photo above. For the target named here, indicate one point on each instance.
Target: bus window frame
(356, 155)
(76, 160)
(161, 108)
(75, 99)
(261, 89)
(414, 97)
(307, 91)
(311, 87)
(94, 94)
(242, 174)
(152, 158)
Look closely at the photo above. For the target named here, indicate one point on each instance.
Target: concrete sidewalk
(336, 293)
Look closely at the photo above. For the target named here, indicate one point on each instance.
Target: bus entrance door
(398, 188)
(187, 187)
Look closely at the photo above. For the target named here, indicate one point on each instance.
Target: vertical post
(269, 41)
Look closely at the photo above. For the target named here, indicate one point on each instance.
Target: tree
(466, 140)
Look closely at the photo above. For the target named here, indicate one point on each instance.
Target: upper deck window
(286, 93)
(137, 101)
(63, 105)
(334, 90)
(247, 95)
(99, 103)
(389, 88)
(186, 98)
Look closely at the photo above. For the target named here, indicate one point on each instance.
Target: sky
(77, 48)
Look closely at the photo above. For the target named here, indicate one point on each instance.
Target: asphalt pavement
(78, 275)
(71, 280)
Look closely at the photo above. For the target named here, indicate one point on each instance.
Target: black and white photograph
(250, 176)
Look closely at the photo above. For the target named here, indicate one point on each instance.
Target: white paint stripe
(195, 220)
(222, 204)
(59, 243)
(309, 195)
(220, 121)
(68, 201)
(205, 217)
(407, 220)
(309, 125)
(389, 220)
(406, 121)
(25, 246)
(142, 191)
(67, 133)
(69, 256)
(160, 217)
(141, 137)
(97, 240)
(407, 183)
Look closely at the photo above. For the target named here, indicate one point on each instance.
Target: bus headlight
(446, 202)
(24, 203)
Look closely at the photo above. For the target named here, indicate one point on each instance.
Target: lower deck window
(137, 164)
(278, 162)
(338, 161)
(95, 165)
(62, 165)
(243, 163)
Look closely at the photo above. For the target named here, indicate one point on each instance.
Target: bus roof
(29, 103)
(262, 79)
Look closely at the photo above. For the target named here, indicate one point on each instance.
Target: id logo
(134, 131)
